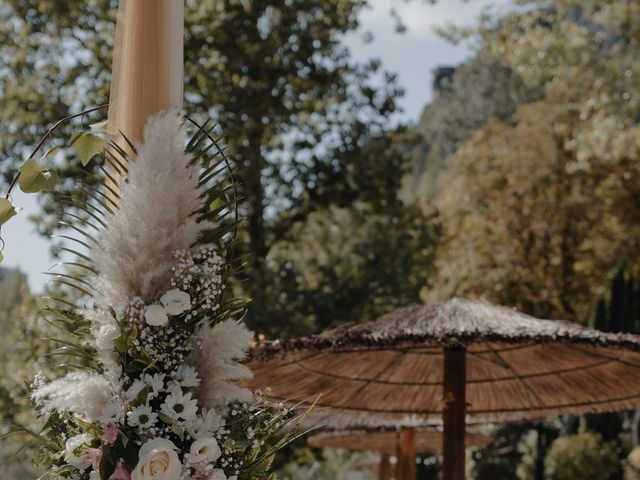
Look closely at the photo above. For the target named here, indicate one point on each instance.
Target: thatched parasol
(430, 360)
(380, 435)
(385, 441)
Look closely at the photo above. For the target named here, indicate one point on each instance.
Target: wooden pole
(406, 466)
(454, 413)
(385, 467)
(147, 73)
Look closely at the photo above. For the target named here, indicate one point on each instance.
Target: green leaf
(6, 211)
(33, 179)
(120, 343)
(216, 204)
(51, 152)
(1, 257)
(141, 398)
(165, 418)
(108, 463)
(87, 146)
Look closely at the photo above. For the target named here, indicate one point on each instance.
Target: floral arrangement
(155, 394)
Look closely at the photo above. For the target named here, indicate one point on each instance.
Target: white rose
(205, 450)
(176, 301)
(105, 336)
(156, 315)
(158, 460)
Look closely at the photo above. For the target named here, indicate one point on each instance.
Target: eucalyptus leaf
(33, 179)
(6, 211)
(87, 146)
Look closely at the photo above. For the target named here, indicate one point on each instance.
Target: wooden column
(147, 68)
(406, 466)
(454, 412)
(385, 467)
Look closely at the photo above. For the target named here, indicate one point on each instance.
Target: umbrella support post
(385, 467)
(454, 413)
(406, 466)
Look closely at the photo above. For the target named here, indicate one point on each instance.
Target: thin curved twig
(37, 148)
(51, 129)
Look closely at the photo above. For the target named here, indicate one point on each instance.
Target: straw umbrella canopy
(454, 362)
(380, 435)
(385, 441)
(388, 442)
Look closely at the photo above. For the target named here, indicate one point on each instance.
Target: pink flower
(110, 433)
(120, 473)
(95, 454)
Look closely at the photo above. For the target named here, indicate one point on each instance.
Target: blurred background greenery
(520, 182)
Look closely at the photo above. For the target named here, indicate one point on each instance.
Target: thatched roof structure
(517, 366)
(386, 441)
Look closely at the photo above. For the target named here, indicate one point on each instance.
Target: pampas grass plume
(135, 254)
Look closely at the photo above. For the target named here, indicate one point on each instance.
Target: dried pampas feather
(82, 393)
(155, 218)
(217, 362)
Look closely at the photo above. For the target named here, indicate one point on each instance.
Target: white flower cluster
(200, 273)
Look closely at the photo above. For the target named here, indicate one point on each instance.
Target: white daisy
(143, 417)
(179, 406)
(187, 376)
(112, 413)
(155, 383)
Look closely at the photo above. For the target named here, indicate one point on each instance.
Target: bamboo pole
(454, 413)
(385, 467)
(406, 466)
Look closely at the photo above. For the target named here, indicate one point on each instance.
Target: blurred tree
(331, 464)
(21, 358)
(501, 458)
(541, 231)
(360, 254)
(584, 455)
(348, 264)
(480, 90)
(547, 209)
(273, 73)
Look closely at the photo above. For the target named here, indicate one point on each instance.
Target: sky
(413, 55)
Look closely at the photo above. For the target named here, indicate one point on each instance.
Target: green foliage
(500, 459)
(33, 179)
(480, 90)
(583, 456)
(22, 355)
(7, 211)
(328, 464)
(348, 264)
(544, 205)
(87, 146)
(294, 106)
